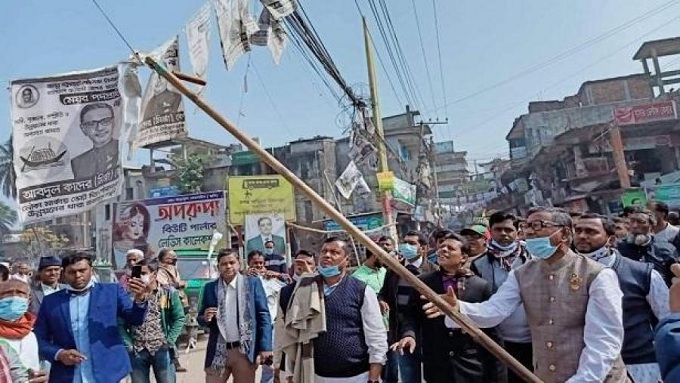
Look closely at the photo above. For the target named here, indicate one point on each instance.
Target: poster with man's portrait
(261, 229)
(66, 131)
(162, 108)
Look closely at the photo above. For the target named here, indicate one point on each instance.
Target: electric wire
(410, 79)
(422, 50)
(575, 73)
(543, 64)
(299, 24)
(380, 59)
(271, 99)
(390, 52)
(244, 90)
(108, 19)
(439, 55)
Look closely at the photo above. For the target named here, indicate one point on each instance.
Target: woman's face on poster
(135, 228)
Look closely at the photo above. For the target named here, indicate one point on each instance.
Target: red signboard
(640, 114)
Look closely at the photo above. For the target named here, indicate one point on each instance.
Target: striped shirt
(276, 262)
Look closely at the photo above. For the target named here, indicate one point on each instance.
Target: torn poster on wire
(67, 131)
(279, 8)
(271, 35)
(362, 150)
(198, 39)
(349, 179)
(162, 107)
(235, 26)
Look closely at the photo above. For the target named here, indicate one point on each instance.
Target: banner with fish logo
(66, 140)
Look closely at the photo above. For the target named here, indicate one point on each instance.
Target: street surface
(193, 361)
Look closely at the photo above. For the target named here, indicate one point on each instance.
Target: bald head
(14, 287)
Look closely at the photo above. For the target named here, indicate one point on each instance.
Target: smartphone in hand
(136, 272)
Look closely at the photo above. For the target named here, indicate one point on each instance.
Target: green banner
(634, 198)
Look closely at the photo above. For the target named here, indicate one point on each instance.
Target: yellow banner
(385, 181)
(260, 195)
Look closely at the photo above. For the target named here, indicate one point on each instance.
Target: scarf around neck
(506, 256)
(17, 329)
(245, 330)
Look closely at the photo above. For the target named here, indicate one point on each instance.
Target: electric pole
(383, 165)
(619, 155)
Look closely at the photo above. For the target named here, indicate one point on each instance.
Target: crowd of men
(572, 297)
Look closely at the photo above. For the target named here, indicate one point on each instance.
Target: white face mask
(599, 254)
(89, 285)
(146, 278)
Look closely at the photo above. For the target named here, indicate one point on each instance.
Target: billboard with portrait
(265, 194)
(180, 222)
(66, 141)
(261, 228)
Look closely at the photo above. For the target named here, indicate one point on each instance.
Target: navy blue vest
(341, 351)
(638, 338)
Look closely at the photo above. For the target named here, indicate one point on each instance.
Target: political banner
(634, 197)
(271, 35)
(253, 195)
(263, 228)
(279, 8)
(348, 180)
(66, 131)
(404, 192)
(198, 39)
(162, 107)
(181, 222)
(235, 26)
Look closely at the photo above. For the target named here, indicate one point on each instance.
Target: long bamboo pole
(465, 324)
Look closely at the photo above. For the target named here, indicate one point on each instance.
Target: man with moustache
(573, 305)
(506, 253)
(641, 245)
(98, 123)
(645, 295)
(345, 342)
(79, 333)
(49, 271)
(234, 308)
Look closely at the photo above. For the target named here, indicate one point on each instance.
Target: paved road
(193, 361)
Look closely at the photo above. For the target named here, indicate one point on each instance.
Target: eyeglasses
(538, 225)
(104, 122)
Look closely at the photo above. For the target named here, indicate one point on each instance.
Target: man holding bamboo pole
(573, 306)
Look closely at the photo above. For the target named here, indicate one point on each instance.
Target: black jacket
(660, 254)
(450, 356)
(388, 293)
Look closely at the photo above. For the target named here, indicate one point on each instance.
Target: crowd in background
(572, 297)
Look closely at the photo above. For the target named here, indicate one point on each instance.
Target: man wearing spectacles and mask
(573, 305)
(98, 123)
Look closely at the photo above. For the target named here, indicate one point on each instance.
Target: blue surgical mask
(408, 251)
(13, 308)
(268, 251)
(328, 272)
(541, 248)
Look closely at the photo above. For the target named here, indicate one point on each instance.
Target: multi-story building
(451, 170)
(562, 149)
